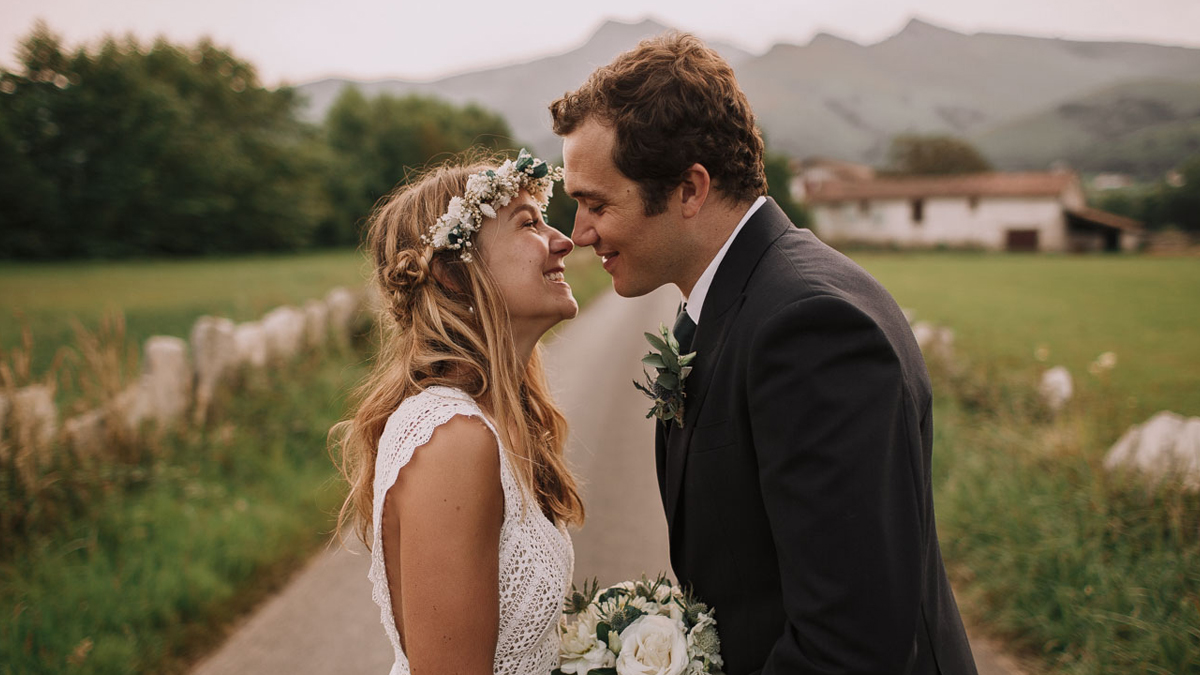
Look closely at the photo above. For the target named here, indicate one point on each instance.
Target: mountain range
(1025, 101)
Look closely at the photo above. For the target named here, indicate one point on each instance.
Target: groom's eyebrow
(584, 194)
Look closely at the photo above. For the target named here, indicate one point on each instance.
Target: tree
(126, 150)
(779, 178)
(1164, 204)
(1181, 200)
(376, 143)
(917, 154)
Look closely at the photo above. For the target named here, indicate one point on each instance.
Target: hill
(838, 98)
(1143, 128)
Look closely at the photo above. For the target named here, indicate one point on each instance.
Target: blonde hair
(453, 334)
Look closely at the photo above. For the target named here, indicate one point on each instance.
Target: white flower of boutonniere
(672, 368)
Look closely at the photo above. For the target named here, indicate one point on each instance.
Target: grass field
(1003, 307)
(159, 297)
(164, 297)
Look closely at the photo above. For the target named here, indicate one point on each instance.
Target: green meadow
(164, 297)
(1146, 310)
(159, 297)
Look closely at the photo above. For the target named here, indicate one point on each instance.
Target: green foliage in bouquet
(625, 627)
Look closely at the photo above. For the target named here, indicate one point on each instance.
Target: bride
(454, 454)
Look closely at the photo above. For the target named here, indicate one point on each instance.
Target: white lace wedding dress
(536, 557)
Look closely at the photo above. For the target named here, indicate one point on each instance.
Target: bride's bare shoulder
(460, 461)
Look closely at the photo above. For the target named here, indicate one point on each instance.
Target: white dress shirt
(695, 302)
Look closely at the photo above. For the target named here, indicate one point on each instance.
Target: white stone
(373, 299)
(87, 434)
(132, 407)
(934, 341)
(250, 345)
(344, 306)
(34, 415)
(925, 333)
(214, 351)
(284, 329)
(165, 386)
(316, 323)
(1056, 388)
(34, 425)
(1167, 444)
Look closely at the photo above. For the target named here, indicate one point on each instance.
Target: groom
(797, 491)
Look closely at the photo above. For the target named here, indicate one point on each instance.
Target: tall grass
(147, 562)
(1091, 572)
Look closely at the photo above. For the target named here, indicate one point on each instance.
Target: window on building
(918, 211)
(973, 202)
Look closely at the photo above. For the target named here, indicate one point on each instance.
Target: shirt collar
(695, 302)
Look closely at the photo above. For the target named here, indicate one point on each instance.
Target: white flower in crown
(486, 192)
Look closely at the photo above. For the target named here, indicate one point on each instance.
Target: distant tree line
(1170, 203)
(124, 150)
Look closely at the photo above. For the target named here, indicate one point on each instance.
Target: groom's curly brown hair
(673, 102)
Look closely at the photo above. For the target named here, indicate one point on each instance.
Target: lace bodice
(536, 557)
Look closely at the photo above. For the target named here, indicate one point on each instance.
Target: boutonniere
(672, 368)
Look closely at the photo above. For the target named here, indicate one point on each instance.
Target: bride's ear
(694, 189)
(441, 274)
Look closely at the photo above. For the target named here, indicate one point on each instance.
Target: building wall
(947, 221)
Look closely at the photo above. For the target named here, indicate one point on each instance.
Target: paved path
(324, 621)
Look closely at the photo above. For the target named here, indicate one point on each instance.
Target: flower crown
(486, 192)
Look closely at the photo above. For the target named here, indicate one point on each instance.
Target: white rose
(652, 645)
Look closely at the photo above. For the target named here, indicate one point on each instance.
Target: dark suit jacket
(797, 492)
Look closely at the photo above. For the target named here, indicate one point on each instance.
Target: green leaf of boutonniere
(657, 342)
(671, 369)
(654, 361)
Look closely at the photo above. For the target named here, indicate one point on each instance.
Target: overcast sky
(300, 40)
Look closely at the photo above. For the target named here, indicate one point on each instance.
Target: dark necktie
(684, 330)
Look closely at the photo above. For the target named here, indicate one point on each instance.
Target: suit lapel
(721, 306)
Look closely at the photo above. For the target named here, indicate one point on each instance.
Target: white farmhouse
(994, 211)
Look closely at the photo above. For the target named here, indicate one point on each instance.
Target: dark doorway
(1021, 240)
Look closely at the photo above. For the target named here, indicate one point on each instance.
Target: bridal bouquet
(638, 628)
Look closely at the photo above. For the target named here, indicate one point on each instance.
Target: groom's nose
(583, 233)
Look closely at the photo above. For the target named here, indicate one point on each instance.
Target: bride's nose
(560, 244)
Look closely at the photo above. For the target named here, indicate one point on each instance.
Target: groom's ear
(694, 189)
